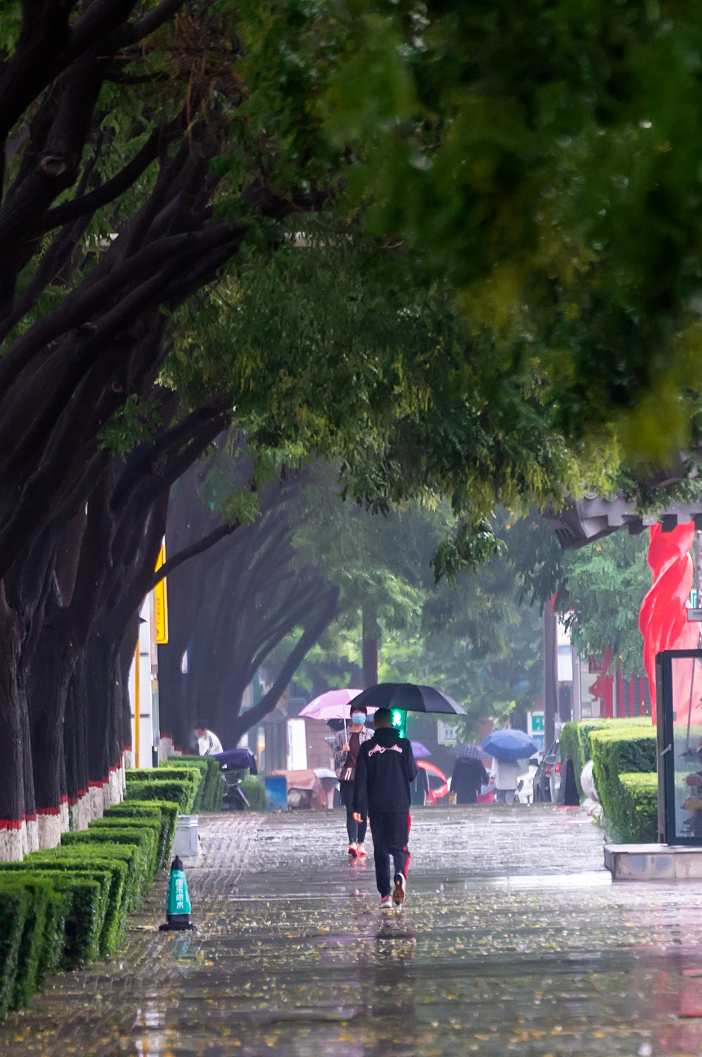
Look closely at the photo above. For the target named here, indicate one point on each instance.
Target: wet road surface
(512, 941)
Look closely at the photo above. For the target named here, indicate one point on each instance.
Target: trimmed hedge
(574, 739)
(615, 752)
(181, 792)
(15, 905)
(637, 820)
(85, 913)
(32, 939)
(62, 908)
(152, 824)
(165, 810)
(141, 839)
(129, 854)
(211, 790)
(109, 871)
(192, 775)
(254, 790)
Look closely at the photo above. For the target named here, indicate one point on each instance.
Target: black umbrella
(409, 698)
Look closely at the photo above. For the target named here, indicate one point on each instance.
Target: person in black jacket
(385, 767)
(467, 778)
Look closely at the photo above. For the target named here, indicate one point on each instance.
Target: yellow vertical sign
(161, 600)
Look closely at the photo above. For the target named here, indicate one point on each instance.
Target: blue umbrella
(419, 750)
(510, 745)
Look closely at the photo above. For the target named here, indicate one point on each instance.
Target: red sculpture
(663, 617)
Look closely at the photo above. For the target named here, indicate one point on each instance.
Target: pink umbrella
(333, 705)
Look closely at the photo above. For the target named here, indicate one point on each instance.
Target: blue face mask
(358, 718)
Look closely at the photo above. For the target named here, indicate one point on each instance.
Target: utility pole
(550, 644)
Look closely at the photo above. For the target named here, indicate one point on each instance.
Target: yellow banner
(161, 601)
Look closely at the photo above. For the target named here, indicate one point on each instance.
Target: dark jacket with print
(384, 769)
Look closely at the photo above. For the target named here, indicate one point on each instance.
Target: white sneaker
(386, 903)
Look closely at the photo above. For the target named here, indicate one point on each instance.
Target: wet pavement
(512, 941)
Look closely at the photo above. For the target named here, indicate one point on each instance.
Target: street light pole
(550, 644)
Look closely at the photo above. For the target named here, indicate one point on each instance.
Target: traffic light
(399, 721)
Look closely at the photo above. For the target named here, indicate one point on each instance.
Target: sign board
(161, 601)
(536, 723)
(694, 614)
(446, 734)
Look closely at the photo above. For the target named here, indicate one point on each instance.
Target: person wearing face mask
(346, 745)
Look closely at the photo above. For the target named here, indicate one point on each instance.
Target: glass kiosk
(679, 703)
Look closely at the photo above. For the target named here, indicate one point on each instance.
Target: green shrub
(84, 917)
(15, 903)
(616, 752)
(152, 824)
(574, 739)
(192, 775)
(128, 854)
(254, 790)
(180, 792)
(638, 814)
(57, 877)
(165, 810)
(54, 937)
(114, 871)
(209, 795)
(141, 840)
(32, 940)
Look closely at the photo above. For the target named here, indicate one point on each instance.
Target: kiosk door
(679, 703)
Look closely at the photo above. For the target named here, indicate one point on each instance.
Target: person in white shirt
(208, 743)
(506, 777)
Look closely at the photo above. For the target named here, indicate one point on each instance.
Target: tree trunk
(99, 662)
(17, 815)
(47, 689)
(75, 740)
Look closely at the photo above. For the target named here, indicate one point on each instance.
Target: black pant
(355, 830)
(390, 831)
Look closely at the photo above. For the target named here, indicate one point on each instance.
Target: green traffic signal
(399, 721)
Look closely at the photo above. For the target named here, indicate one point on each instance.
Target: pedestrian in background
(208, 743)
(385, 768)
(506, 775)
(467, 779)
(346, 746)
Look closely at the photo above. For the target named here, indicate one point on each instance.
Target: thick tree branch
(120, 183)
(184, 555)
(304, 644)
(136, 31)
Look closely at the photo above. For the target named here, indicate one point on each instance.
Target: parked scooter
(234, 764)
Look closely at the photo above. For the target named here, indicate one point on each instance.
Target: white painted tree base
(32, 834)
(65, 817)
(79, 814)
(97, 801)
(114, 786)
(13, 843)
(165, 749)
(49, 830)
